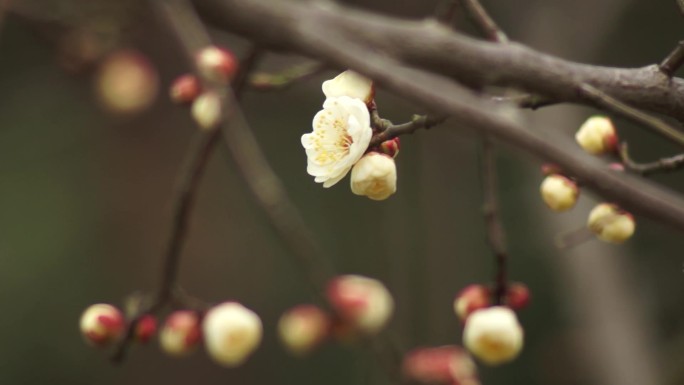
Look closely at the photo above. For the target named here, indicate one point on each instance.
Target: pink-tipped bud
(217, 64)
(145, 328)
(493, 335)
(364, 303)
(101, 324)
(610, 223)
(207, 112)
(597, 136)
(390, 147)
(517, 296)
(617, 167)
(181, 334)
(185, 89)
(303, 328)
(231, 333)
(550, 168)
(558, 192)
(127, 82)
(440, 365)
(471, 298)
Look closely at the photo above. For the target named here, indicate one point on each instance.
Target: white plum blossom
(351, 84)
(374, 176)
(341, 134)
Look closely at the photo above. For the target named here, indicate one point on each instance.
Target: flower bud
(351, 84)
(610, 223)
(493, 335)
(101, 324)
(442, 365)
(206, 110)
(597, 136)
(231, 333)
(181, 333)
(364, 303)
(145, 328)
(471, 298)
(558, 192)
(185, 89)
(517, 296)
(390, 147)
(216, 64)
(375, 176)
(302, 328)
(127, 82)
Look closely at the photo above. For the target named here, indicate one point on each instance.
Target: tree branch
(672, 163)
(263, 81)
(674, 60)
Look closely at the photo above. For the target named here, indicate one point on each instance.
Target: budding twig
(485, 22)
(669, 164)
(612, 104)
(673, 61)
(391, 131)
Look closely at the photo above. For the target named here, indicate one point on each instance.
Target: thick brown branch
(432, 46)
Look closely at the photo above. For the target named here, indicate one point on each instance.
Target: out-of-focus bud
(617, 166)
(610, 223)
(303, 328)
(517, 296)
(471, 298)
(558, 192)
(493, 335)
(597, 136)
(364, 303)
(231, 333)
(375, 176)
(217, 64)
(185, 89)
(441, 365)
(127, 82)
(101, 324)
(180, 335)
(145, 328)
(390, 147)
(206, 110)
(351, 84)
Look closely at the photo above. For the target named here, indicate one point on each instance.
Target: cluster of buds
(341, 137)
(360, 305)
(492, 333)
(230, 331)
(215, 65)
(440, 365)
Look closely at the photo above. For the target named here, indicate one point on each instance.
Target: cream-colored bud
(206, 110)
(217, 64)
(101, 324)
(559, 192)
(231, 333)
(375, 176)
(181, 333)
(364, 303)
(597, 135)
(472, 297)
(351, 84)
(610, 223)
(127, 82)
(493, 335)
(302, 328)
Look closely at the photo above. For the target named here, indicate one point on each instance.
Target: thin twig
(391, 131)
(673, 61)
(669, 164)
(496, 237)
(530, 101)
(612, 104)
(264, 81)
(485, 22)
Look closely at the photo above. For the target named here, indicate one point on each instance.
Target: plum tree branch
(378, 44)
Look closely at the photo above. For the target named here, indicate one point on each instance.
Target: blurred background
(86, 185)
